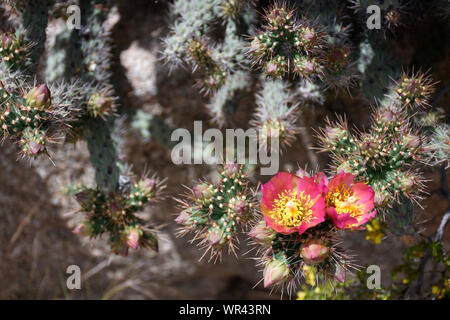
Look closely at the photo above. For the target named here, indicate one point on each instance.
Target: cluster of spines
(114, 213)
(214, 212)
(287, 46)
(213, 74)
(276, 114)
(386, 155)
(25, 119)
(192, 20)
(14, 49)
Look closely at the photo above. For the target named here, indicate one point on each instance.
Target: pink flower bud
(334, 133)
(216, 237)
(39, 97)
(35, 148)
(275, 272)
(240, 207)
(302, 173)
(388, 115)
(271, 68)
(309, 35)
(314, 251)
(79, 229)
(262, 234)
(339, 275)
(184, 216)
(202, 191)
(133, 237)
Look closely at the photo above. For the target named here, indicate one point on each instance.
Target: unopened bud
(262, 234)
(202, 191)
(133, 237)
(39, 97)
(240, 207)
(339, 275)
(275, 272)
(334, 133)
(314, 251)
(216, 237)
(100, 104)
(184, 216)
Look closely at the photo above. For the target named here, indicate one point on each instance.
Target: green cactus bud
(39, 97)
(275, 272)
(262, 234)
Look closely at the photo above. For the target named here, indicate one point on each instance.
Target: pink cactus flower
(291, 204)
(349, 203)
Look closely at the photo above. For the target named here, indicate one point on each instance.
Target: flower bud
(334, 133)
(275, 272)
(408, 183)
(388, 116)
(339, 275)
(83, 229)
(133, 236)
(314, 251)
(100, 104)
(39, 97)
(202, 191)
(345, 167)
(216, 237)
(240, 207)
(148, 187)
(184, 216)
(262, 234)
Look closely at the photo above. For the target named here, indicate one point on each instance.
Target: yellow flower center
(344, 201)
(291, 209)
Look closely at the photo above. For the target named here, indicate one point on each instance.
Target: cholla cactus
(215, 212)
(392, 146)
(213, 74)
(114, 213)
(14, 49)
(412, 91)
(302, 215)
(31, 119)
(287, 46)
(276, 113)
